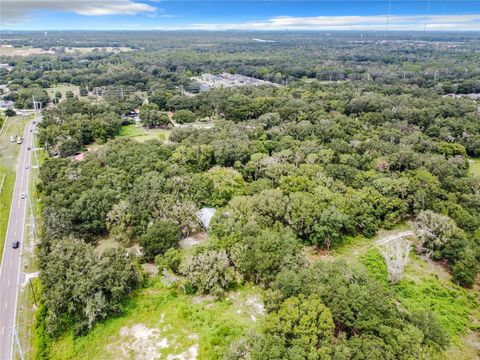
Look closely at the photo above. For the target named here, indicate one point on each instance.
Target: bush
(160, 237)
(466, 268)
(170, 260)
(184, 116)
(209, 272)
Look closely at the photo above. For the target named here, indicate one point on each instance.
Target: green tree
(465, 270)
(227, 183)
(160, 237)
(330, 227)
(184, 116)
(209, 272)
(81, 286)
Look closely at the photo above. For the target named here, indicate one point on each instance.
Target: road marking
(6, 304)
(3, 330)
(9, 281)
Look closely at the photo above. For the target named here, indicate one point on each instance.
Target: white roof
(205, 215)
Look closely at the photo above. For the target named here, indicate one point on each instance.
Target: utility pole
(33, 292)
(34, 106)
(388, 18)
(35, 234)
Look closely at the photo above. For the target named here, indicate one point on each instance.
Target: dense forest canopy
(359, 136)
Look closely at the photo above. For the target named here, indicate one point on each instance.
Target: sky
(430, 15)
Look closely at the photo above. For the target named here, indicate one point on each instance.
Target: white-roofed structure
(205, 215)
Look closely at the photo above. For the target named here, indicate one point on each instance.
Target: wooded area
(358, 137)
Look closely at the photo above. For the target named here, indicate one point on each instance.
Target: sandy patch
(250, 305)
(255, 307)
(190, 354)
(29, 276)
(139, 342)
(193, 240)
(150, 269)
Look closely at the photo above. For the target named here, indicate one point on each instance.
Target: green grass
(5, 202)
(422, 289)
(141, 134)
(132, 131)
(63, 88)
(183, 320)
(475, 167)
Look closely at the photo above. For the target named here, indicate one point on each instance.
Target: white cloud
(14, 10)
(377, 22)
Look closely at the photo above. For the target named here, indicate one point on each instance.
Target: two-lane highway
(10, 268)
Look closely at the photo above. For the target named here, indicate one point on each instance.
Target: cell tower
(395, 250)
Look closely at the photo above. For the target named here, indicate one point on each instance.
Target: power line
(426, 17)
(388, 17)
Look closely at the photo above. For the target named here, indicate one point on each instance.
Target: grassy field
(21, 51)
(8, 165)
(475, 166)
(63, 88)
(29, 50)
(425, 286)
(141, 134)
(158, 322)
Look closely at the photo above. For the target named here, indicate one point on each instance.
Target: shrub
(160, 237)
(184, 116)
(209, 272)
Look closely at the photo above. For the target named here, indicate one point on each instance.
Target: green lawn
(141, 134)
(63, 88)
(183, 323)
(475, 166)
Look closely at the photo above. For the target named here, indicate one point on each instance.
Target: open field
(475, 166)
(141, 134)
(63, 88)
(425, 286)
(158, 322)
(23, 51)
(28, 50)
(86, 50)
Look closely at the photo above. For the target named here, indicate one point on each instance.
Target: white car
(23, 196)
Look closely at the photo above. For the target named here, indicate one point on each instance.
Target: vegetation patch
(165, 322)
(474, 166)
(142, 134)
(422, 289)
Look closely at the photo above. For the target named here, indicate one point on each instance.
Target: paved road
(10, 269)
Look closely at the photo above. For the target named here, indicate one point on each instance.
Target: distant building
(7, 67)
(6, 104)
(209, 81)
(79, 157)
